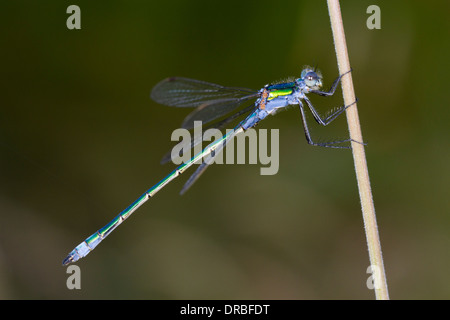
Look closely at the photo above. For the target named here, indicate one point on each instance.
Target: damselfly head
(312, 78)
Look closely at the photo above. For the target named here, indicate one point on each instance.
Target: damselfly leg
(324, 121)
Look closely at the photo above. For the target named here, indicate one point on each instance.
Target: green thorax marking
(280, 92)
(280, 89)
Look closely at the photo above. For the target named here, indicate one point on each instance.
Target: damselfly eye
(312, 79)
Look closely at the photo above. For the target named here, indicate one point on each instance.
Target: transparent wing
(201, 169)
(208, 112)
(212, 100)
(195, 140)
(184, 92)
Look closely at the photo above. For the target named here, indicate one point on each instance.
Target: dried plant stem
(362, 175)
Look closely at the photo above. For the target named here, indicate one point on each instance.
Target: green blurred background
(80, 140)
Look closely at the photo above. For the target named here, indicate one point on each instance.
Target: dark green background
(80, 140)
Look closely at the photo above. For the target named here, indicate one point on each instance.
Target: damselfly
(213, 101)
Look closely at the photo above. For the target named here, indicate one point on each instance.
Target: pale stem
(362, 174)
